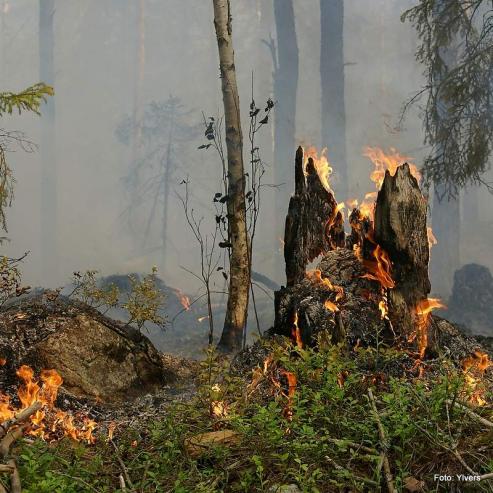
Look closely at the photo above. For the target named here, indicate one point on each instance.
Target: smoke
(96, 64)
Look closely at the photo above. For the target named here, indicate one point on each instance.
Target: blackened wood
(400, 229)
(314, 226)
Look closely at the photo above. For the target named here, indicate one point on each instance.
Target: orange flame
(292, 381)
(382, 161)
(431, 237)
(387, 161)
(295, 331)
(380, 269)
(331, 306)
(474, 367)
(423, 312)
(322, 165)
(46, 422)
(184, 299)
(316, 277)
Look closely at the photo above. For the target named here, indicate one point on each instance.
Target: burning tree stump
(314, 225)
(369, 287)
(400, 230)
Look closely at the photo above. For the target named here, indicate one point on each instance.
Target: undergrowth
(323, 437)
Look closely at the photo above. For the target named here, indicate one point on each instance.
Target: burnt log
(314, 225)
(400, 229)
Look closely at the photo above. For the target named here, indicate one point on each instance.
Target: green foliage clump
(143, 304)
(323, 437)
(29, 99)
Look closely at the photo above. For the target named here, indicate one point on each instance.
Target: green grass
(318, 448)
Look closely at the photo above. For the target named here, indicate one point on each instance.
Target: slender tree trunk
(239, 277)
(332, 82)
(285, 89)
(49, 247)
(168, 163)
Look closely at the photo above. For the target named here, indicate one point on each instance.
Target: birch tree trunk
(47, 147)
(239, 278)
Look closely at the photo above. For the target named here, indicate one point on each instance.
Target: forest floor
(324, 420)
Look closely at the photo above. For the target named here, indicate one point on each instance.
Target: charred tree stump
(314, 225)
(400, 229)
(371, 287)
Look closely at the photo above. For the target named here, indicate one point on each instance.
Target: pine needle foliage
(30, 100)
(456, 50)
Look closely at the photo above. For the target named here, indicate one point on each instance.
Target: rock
(413, 485)
(199, 445)
(97, 357)
(471, 302)
(284, 488)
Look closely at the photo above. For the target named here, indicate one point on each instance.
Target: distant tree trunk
(332, 82)
(139, 78)
(445, 214)
(445, 256)
(239, 276)
(285, 88)
(167, 173)
(49, 242)
(470, 205)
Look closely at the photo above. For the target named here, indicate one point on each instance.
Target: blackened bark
(400, 229)
(314, 226)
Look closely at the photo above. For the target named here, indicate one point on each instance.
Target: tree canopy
(456, 48)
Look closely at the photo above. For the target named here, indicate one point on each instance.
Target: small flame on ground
(292, 381)
(46, 422)
(321, 164)
(423, 312)
(474, 367)
(184, 299)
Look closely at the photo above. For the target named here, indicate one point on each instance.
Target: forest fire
(47, 422)
(292, 382)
